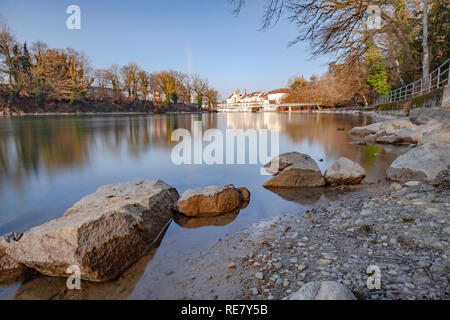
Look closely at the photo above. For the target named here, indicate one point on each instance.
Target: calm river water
(47, 163)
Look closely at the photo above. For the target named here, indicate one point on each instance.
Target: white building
(234, 97)
(247, 102)
(277, 96)
(254, 97)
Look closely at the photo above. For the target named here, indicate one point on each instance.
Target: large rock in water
(304, 173)
(323, 290)
(421, 163)
(366, 130)
(344, 171)
(103, 233)
(212, 200)
(284, 160)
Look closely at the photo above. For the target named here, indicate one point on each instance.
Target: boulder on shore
(212, 200)
(421, 163)
(437, 133)
(303, 173)
(284, 160)
(385, 128)
(102, 234)
(323, 290)
(402, 131)
(344, 171)
(366, 130)
(404, 135)
(424, 115)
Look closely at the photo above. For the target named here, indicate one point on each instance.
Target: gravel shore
(401, 228)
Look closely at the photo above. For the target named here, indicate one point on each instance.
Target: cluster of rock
(295, 169)
(106, 232)
(401, 131)
(427, 161)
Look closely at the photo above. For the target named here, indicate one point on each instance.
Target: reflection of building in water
(269, 121)
(272, 121)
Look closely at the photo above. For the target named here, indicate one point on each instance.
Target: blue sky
(200, 36)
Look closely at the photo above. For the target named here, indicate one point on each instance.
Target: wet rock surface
(303, 173)
(284, 160)
(212, 200)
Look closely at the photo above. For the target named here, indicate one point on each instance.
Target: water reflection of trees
(54, 143)
(31, 144)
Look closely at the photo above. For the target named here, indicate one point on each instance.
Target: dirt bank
(88, 105)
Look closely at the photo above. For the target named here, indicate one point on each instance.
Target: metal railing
(438, 78)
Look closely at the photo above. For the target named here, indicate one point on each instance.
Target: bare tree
(199, 86)
(212, 95)
(102, 81)
(129, 79)
(144, 83)
(334, 26)
(7, 41)
(426, 58)
(113, 77)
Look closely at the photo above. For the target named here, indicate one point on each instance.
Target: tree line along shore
(36, 79)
